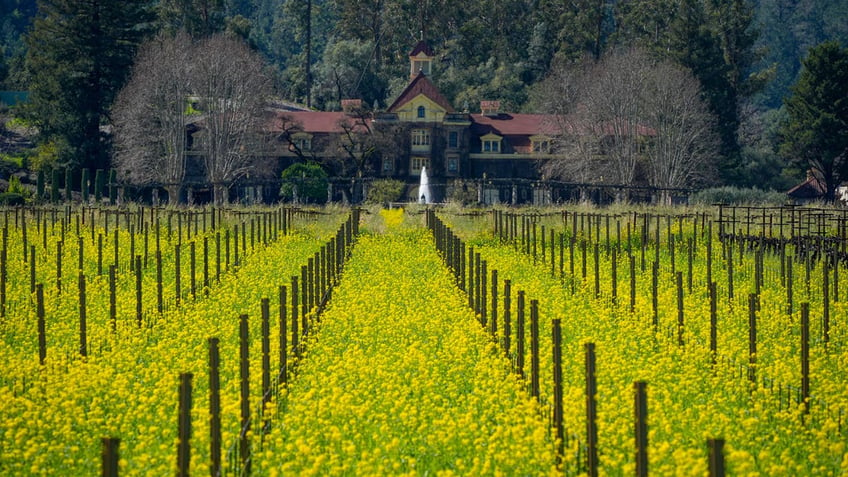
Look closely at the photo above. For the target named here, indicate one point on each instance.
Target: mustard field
(259, 341)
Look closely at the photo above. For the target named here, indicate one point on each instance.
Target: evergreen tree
(80, 53)
(816, 133)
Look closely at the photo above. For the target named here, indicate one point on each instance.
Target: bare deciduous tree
(685, 140)
(230, 83)
(150, 116)
(624, 111)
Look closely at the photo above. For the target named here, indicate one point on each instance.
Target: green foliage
(99, 184)
(816, 133)
(39, 185)
(738, 196)
(81, 53)
(383, 191)
(54, 186)
(45, 157)
(8, 198)
(304, 183)
(15, 186)
(84, 185)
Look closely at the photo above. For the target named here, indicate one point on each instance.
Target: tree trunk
(173, 191)
(221, 194)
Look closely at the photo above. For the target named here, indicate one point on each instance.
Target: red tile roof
(509, 124)
(505, 124)
(422, 46)
(311, 121)
(812, 188)
(420, 85)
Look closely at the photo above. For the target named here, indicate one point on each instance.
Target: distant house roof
(507, 124)
(812, 188)
(422, 47)
(420, 85)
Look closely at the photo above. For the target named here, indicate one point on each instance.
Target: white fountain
(424, 196)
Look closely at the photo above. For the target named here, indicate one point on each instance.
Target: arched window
(422, 112)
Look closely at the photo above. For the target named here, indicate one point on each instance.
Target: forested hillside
(746, 54)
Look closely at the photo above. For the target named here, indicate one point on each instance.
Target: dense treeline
(745, 54)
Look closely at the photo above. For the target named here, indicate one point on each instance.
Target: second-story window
(422, 112)
(491, 145)
(453, 139)
(420, 137)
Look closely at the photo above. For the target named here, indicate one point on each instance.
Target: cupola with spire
(421, 60)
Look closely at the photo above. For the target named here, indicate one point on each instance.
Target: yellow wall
(409, 111)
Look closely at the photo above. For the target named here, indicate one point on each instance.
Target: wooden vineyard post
(99, 254)
(192, 268)
(266, 350)
(632, 284)
(493, 320)
(641, 430)
(42, 328)
(115, 256)
(519, 335)
(109, 457)
(825, 300)
(716, 457)
(59, 267)
(507, 314)
(244, 374)
(113, 301)
(680, 327)
(3, 278)
(178, 274)
(138, 302)
(304, 300)
(214, 408)
(597, 271)
(282, 376)
(805, 356)
(483, 286)
(544, 246)
(614, 276)
(184, 426)
(655, 271)
(689, 270)
(83, 341)
(294, 320)
(32, 269)
(730, 270)
(591, 412)
(534, 348)
(553, 254)
(710, 252)
(556, 333)
(217, 255)
(160, 305)
(583, 258)
(205, 265)
(713, 324)
(752, 338)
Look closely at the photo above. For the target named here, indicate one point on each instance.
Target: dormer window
(422, 112)
(301, 141)
(541, 144)
(491, 143)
